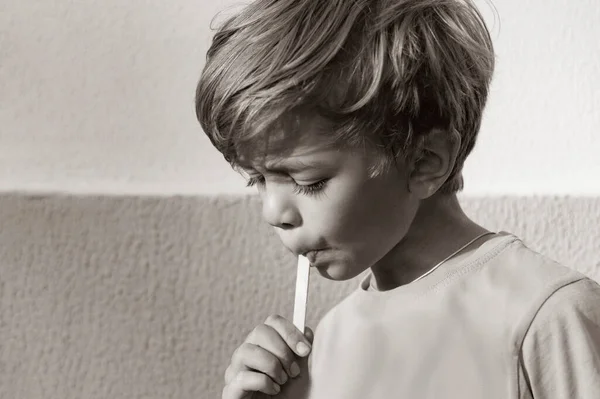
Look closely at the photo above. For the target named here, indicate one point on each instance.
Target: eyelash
(309, 189)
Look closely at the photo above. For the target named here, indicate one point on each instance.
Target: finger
(309, 334)
(266, 337)
(249, 381)
(290, 334)
(255, 358)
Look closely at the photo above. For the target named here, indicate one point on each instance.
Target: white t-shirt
(500, 322)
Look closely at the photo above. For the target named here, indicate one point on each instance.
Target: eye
(310, 189)
(303, 189)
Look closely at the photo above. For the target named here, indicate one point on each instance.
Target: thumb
(308, 333)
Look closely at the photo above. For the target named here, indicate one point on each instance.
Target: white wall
(97, 96)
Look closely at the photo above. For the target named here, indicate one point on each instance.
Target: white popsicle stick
(301, 293)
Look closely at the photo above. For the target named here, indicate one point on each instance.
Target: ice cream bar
(301, 293)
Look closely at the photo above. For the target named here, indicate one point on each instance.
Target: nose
(279, 210)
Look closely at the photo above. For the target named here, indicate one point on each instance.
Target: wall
(98, 97)
(117, 277)
(139, 297)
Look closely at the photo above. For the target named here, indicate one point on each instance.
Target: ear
(433, 162)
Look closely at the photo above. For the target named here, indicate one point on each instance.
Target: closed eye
(304, 189)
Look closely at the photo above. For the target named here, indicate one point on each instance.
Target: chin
(338, 271)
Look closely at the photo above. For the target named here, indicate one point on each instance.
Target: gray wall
(128, 297)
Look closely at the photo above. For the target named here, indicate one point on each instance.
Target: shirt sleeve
(560, 355)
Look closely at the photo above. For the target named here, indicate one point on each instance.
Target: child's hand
(266, 360)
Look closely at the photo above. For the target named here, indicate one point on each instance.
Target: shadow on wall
(127, 297)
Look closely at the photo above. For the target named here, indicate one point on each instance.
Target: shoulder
(530, 277)
(568, 308)
(528, 263)
(583, 294)
(560, 354)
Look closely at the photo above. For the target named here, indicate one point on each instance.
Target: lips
(312, 255)
(310, 252)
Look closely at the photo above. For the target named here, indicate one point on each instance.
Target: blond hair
(382, 72)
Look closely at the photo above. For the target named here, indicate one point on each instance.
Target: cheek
(385, 219)
(368, 218)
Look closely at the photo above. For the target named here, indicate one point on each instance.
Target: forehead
(298, 138)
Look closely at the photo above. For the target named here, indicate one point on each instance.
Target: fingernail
(276, 387)
(302, 348)
(294, 369)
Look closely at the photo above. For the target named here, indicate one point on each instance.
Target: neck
(440, 228)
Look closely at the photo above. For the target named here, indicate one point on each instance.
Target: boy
(354, 119)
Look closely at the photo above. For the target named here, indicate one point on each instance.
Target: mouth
(312, 255)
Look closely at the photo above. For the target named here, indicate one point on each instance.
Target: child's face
(321, 200)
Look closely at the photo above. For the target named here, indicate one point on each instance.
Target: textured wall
(137, 297)
(97, 96)
(122, 297)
